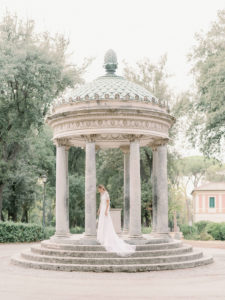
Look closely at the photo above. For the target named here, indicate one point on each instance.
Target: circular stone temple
(111, 112)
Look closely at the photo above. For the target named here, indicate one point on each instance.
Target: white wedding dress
(106, 234)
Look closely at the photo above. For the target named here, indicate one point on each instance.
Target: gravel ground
(205, 282)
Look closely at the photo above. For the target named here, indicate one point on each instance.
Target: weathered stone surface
(90, 190)
(135, 190)
(62, 195)
(162, 191)
(158, 254)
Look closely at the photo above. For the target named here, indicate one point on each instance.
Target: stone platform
(78, 253)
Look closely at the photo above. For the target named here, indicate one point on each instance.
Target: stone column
(154, 188)
(135, 190)
(162, 192)
(62, 191)
(126, 196)
(90, 189)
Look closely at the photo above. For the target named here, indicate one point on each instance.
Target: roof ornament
(110, 62)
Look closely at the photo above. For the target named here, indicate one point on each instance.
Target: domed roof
(110, 86)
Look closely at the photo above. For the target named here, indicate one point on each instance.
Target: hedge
(27, 232)
(204, 230)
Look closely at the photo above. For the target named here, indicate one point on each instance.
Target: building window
(212, 202)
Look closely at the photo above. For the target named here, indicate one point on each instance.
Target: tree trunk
(25, 215)
(1, 201)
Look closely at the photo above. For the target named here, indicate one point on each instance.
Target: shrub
(77, 229)
(20, 232)
(222, 230)
(23, 232)
(201, 225)
(146, 230)
(215, 230)
(187, 229)
(205, 236)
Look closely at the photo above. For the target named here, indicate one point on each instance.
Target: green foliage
(217, 230)
(151, 76)
(207, 127)
(21, 232)
(109, 165)
(146, 230)
(204, 230)
(189, 232)
(77, 229)
(194, 167)
(205, 236)
(76, 200)
(201, 225)
(34, 70)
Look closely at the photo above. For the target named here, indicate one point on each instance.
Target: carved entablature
(109, 124)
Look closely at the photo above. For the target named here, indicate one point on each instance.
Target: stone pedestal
(62, 192)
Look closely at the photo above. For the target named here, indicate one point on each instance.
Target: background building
(209, 202)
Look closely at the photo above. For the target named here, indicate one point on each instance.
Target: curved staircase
(151, 255)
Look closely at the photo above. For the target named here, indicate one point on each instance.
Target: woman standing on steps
(106, 234)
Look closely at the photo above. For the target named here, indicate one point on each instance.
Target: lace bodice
(105, 196)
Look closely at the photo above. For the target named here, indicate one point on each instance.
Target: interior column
(90, 189)
(154, 188)
(126, 195)
(135, 190)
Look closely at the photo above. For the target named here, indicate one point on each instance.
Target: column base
(161, 235)
(60, 236)
(125, 232)
(136, 239)
(89, 239)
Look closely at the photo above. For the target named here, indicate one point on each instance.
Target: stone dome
(110, 86)
(110, 110)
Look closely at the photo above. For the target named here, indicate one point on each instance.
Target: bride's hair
(101, 186)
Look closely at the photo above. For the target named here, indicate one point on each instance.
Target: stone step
(145, 247)
(27, 254)
(18, 260)
(102, 254)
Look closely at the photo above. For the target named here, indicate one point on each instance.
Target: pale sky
(133, 28)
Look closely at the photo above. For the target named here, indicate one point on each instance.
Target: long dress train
(106, 234)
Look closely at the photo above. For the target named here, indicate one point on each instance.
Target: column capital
(89, 138)
(159, 142)
(134, 137)
(59, 142)
(125, 149)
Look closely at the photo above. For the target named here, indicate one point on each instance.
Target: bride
(106, 234)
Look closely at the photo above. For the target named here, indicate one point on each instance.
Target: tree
(151, 76)
(208, 56)
(190, 171)
(33, 71)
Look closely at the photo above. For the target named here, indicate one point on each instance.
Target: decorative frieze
(111, 123)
